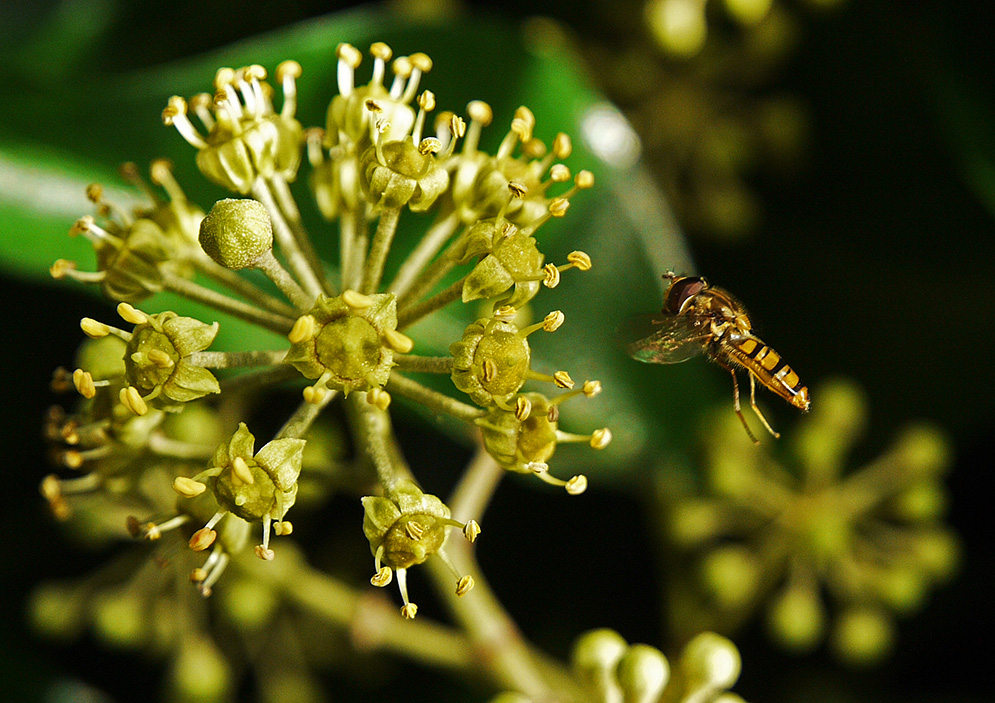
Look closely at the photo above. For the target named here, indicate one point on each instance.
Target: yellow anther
(84, 383)
(464, 585)
(160, 358)
(283, 528)
(562, 379)
(481, 112)
(95, 192)
(414, 529)
(290, 69)
(240, 470)
(198, 575)
(457, 126)
(82, 225)
(60, 268)
(537, 467)
(421, 61)
(303, 329)
(254, 72)
(264, 553)
(382, 577)
(381, 51)
(202, 539)
(534, 149)
(379, 398)
(523, 408)
(426, 100)
(576, 485)
(349, 55)
(429, 145)
(591, 388)
(584, 180)
(373, 106)
(314, 394)
(558, 173)
(398, 341)
(356, 301)
(471, 530)
(187, 487)
(71, 459)
(92, 328)
(558, 207)
(505, 313)
(402, 66)
(223, 78)
(508, 230)
(553, 321)
(409, 611)
(601, 438)
(518, 190)
(131, 314)
(132, 399)
(562, 146)
(580, 260)
(488, 370)
(174, 106)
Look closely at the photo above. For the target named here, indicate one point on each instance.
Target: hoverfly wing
(673, 341)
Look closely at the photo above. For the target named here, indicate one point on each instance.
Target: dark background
(874, 261)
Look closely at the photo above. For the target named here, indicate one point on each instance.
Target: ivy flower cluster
(348, 326)
(822, 549)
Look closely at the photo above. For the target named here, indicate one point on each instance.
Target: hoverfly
(700, 318)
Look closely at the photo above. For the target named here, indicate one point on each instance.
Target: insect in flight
(698, 317)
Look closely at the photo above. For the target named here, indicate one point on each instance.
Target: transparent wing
(675, 340)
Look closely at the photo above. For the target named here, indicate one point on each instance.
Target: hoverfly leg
(756, 408)
(735, 404)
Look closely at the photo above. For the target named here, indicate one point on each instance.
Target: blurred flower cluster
(821, 549)
(696, 85)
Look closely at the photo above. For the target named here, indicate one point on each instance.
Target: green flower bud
(924, 450)
(710, 661)
(732, 575)
(797, 619)
(347, 343)
(595, 657)
(236, 233)
(490, 361)
(199, 672)
(863, 635)
(642, 674)
(120, 618)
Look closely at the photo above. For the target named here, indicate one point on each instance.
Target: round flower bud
(863, 635)
(643, 673)
(595, 657)
(797, 618)
(236, 232)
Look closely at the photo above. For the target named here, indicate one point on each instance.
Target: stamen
(349, 60)
(402, 68)
(303, 329)
(175, 114)
(398, 341)
(379, 398)
(187, 487)
(287, 73)
(381, 55)
(84, 383)
(131, 314)
(133, 401)
(240, 470)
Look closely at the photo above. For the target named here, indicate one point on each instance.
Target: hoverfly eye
(680, 292)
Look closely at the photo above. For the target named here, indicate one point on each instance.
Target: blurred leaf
(56, 138)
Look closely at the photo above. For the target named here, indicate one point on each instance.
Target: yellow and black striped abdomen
(769, 368)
